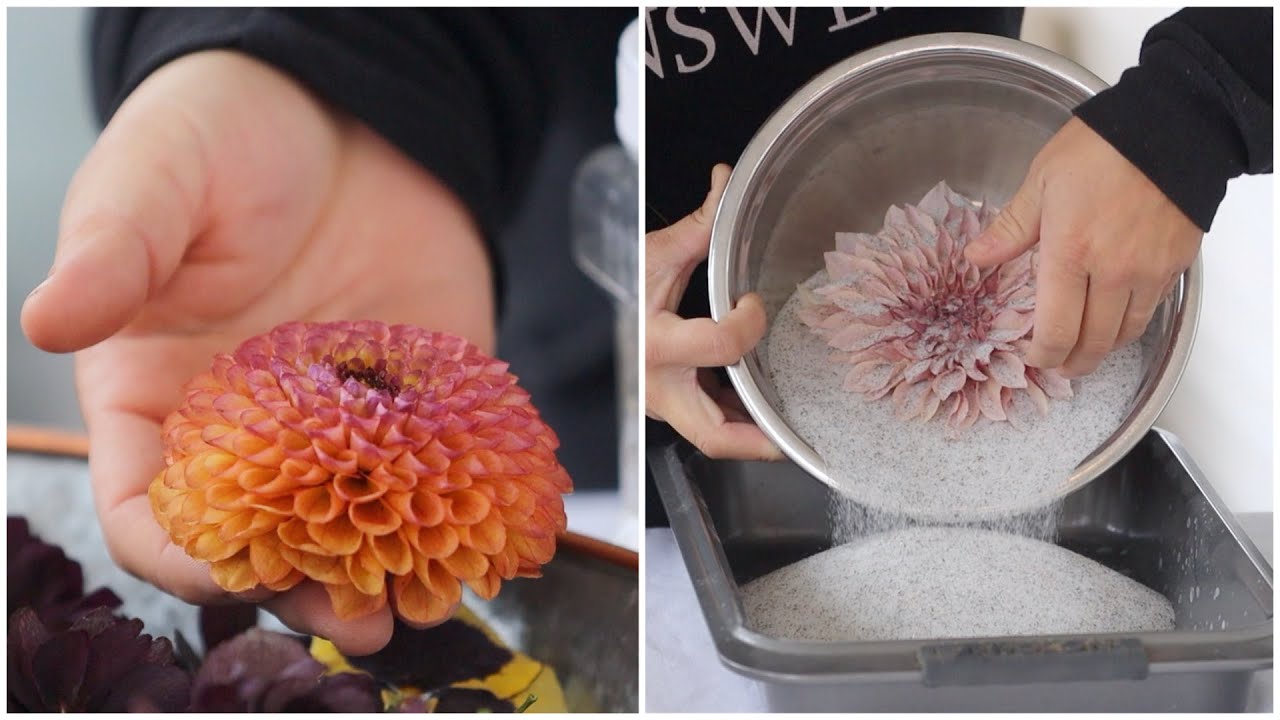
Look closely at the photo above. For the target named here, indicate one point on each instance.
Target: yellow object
(514, 682)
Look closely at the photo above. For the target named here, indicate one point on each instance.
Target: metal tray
(1152, 517)
(581, 617)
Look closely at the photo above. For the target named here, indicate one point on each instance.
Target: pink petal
(909, 399)
(949, 383)
(1008, 370)
(1038, 397)
(945, 246)
(850, 242)
(1053, 384)
(972, 411)
(917, 371)
(989, 400)
(868, 376)
(895, 379)
(931, 403)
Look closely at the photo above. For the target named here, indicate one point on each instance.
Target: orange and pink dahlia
(386, 462)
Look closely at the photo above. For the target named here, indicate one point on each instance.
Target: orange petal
(487, 585)
(293, 533)
(349, 603)
(392, 552)
(317, 567)
(366, 573)
(208, 546)
(318, 504)
(338, 536)
(287, 582)
(433, 542)
(466, 564)
(466, 507)
(488, 536)
(415, 603)
(264, 481)
(374, 518)
(422, 507)
(306, 474)
(226, 495)
(247, 524)
(393, 478)
(234, 574)
(538, 551)
(505, 563)
(264, 555)
(356, 488)
(281, 505)
(439, 581)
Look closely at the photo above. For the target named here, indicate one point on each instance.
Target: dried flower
(40, 576)
(916, 320)
(382, 461)
(262, 671)
(102, 663)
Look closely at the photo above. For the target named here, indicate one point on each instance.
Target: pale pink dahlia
(386, 462)
(916, 320)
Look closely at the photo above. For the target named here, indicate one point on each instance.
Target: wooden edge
(600, 549)
(47, 441)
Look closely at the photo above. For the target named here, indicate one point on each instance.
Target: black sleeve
(1196, 111)
(459, 91)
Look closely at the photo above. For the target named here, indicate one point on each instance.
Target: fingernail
(39, 287)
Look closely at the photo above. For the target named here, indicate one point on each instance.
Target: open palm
(222, 200)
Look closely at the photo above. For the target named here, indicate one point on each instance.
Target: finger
(673, 252)
(124, 455)
(1013, 232)
(1142, 306)
(699, 419)
(1104, 312)
(127, 219)
(306, 609)
(1060, 298)
(703, 342)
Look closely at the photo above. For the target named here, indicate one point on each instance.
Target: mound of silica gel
(900, 365)
(948, 582)
(912, 468)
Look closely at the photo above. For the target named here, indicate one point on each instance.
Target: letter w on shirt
(752, 38)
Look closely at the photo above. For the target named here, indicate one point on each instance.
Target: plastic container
(606, 224)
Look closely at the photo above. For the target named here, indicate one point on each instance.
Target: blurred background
(1222, 410)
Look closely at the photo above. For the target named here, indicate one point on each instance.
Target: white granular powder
(910, 468)
(948, 582)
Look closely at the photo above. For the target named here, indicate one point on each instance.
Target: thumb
(672, 253)
(688, 240)
(1012, 233)
(127, 219)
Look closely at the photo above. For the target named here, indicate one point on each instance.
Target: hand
(676, 390)
(1111, 248)
(222, 200)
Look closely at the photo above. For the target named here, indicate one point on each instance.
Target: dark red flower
(262, 671)
(43, 578)
(101, 663)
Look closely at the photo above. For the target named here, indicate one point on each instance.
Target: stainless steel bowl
(881, 128)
